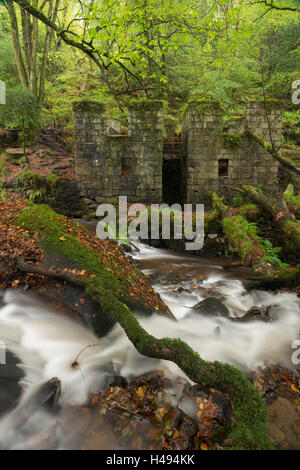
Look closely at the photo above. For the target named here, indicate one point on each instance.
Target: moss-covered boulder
(54, 242)
(212, 306)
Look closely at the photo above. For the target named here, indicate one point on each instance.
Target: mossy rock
(93, 107)
(14, 155)
(62, 241)
(212, 306)
(145, 105)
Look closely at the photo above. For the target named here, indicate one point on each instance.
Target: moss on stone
(92, 107)
(232, 140)
(54, 237)
(269, 103)
(145, 105)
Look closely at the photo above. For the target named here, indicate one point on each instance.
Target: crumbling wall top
(93, 107)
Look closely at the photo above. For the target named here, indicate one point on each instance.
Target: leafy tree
(31, 45)
(21, 111)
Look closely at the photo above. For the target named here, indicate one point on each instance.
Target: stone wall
(109, 164)
(218, 156)
(215, 155)
(257, 116)
(202, 147)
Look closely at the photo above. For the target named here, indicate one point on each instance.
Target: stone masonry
(215, 156)
(109, 164)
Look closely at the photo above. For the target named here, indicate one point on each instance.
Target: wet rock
(284, 425)
(8, 136)
(170, 278)
(10, 390)
(256, 313)
(217, 331)
(75, 298)
(212, 306)
(209, 408)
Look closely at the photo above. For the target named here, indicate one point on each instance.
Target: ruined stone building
(213, 155)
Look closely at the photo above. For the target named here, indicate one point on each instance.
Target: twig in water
(75, 363)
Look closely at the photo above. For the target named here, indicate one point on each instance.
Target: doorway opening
(223, 167)
(171, 171)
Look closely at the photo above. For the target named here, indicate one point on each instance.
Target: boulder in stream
(212, 306)
(10, 390)
(256, 313)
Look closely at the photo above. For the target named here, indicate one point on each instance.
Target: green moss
(246, 208)
(232, 140)
(260, 140)
(270, 103)
(293, 203)
(51, 227)
(92, 107)
(145, 105)
(38, 187)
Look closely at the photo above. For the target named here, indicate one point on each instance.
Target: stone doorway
(171, 174)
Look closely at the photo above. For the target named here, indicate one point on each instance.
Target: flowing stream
(46, 343)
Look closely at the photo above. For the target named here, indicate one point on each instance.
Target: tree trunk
(16, 44)
(283, 161)
(52, 13)
(26, 63)
(280, 213)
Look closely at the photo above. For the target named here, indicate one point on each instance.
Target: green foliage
(271, 255)
(237, 201)
(293, 202)
(242, 234)
(21, 110)
(232, 140)
(249, 210)
(37, 187)
(175, 50)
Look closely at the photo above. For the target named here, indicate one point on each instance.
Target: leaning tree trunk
(281, 215)
(283, 161)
